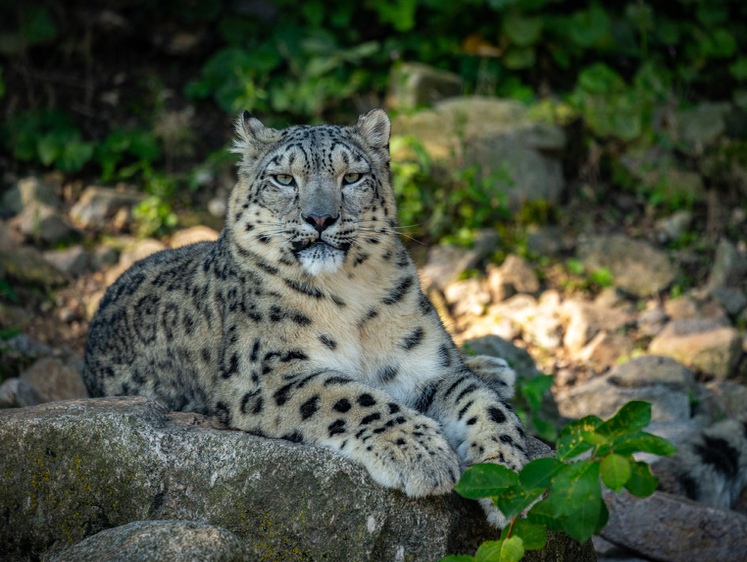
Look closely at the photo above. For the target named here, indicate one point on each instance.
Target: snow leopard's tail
(709, 467)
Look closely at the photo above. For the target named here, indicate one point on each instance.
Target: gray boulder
(414, 84)
(73, 469)
(158, 541)
(703, 345)
(729, 267)
(518, 153)
(674, 529)
(446, 262)
(637, 267)
(97, 204)
(27, 192)
(70, 261)
(42, 222)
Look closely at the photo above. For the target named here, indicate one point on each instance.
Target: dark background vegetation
(145, 91)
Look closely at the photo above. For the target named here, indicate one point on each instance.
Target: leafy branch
(572, 490)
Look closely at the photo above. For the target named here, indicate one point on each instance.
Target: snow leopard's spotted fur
(306, 321)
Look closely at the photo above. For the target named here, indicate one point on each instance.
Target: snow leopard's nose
(320, 223)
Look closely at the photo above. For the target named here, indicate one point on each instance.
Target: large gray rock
(603, 397)
(704, 345)
(158, 541)
(637, 267)
(674, 529)
(585, 320)
(97, 204)
(649, 370)
(72, 469)
(446, 262)
(30, 191)
(414, 84)
(28, 267)
(70, 261)
(499, 137)
(515, 275)
(51, 381)
(729, 267)
(42, 222)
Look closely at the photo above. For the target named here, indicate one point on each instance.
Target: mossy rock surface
(72, 469)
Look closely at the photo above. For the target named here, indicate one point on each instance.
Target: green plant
(528, 400)
(153, 216)
(574, 495)
(124, 146)
(48, 137)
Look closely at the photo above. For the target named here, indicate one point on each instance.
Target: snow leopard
(306, 321)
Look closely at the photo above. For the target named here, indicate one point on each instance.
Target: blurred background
(571, 175)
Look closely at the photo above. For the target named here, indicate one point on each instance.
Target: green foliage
(154, 216)
(6, 291)
(122, 146)
(528, 399)
(451, 208)
(574, 495)
(600, 277)
(46, 137)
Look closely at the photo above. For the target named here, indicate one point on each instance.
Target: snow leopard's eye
(351, 178)
(284, 179)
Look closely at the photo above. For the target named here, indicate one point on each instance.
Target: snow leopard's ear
(375, 128)
(252, 138)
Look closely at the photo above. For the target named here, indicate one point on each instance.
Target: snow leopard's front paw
(411, 455)
(495, 372)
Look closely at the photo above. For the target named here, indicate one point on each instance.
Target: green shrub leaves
(574, 495)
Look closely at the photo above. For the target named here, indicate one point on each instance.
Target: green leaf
(642, 482)
(49, 148)
(631, 417)
(515, 499)
(604, 516)
(542, 513)
(75, 155)
(506, 550)
(588, 28)
(37, 26)
(602, 277)
(522, 31)
(573, 485)
(485, 480)
(615, 471)
(642, 441)
(583, 520)
(738, 70)
(517, 58)
(533, 536)
(458, 558)
(540, 472)
(575, 266)
(571, 440)
(545, 429)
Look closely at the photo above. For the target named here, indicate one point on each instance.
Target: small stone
(67, 315)
(651, 322)
(16, 393)
(674, 226)
(719, 400)
(217, 208)
(649, 370)
(70, 261)
(703, 345)
(52, 381)
(604, 350)
(466, 297)
(42, 222)
(27, 266)
(30, 192)
(193, 235)
(585, 320)
(447, 262)
(729, 267)
(732, 299)
(637, 267)
(513, 276)
(160, 541)
(688, 307)
(141, 250)
(9, 238)
(103, 256)
(545, 240)
(610, 297)
(97, 204)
